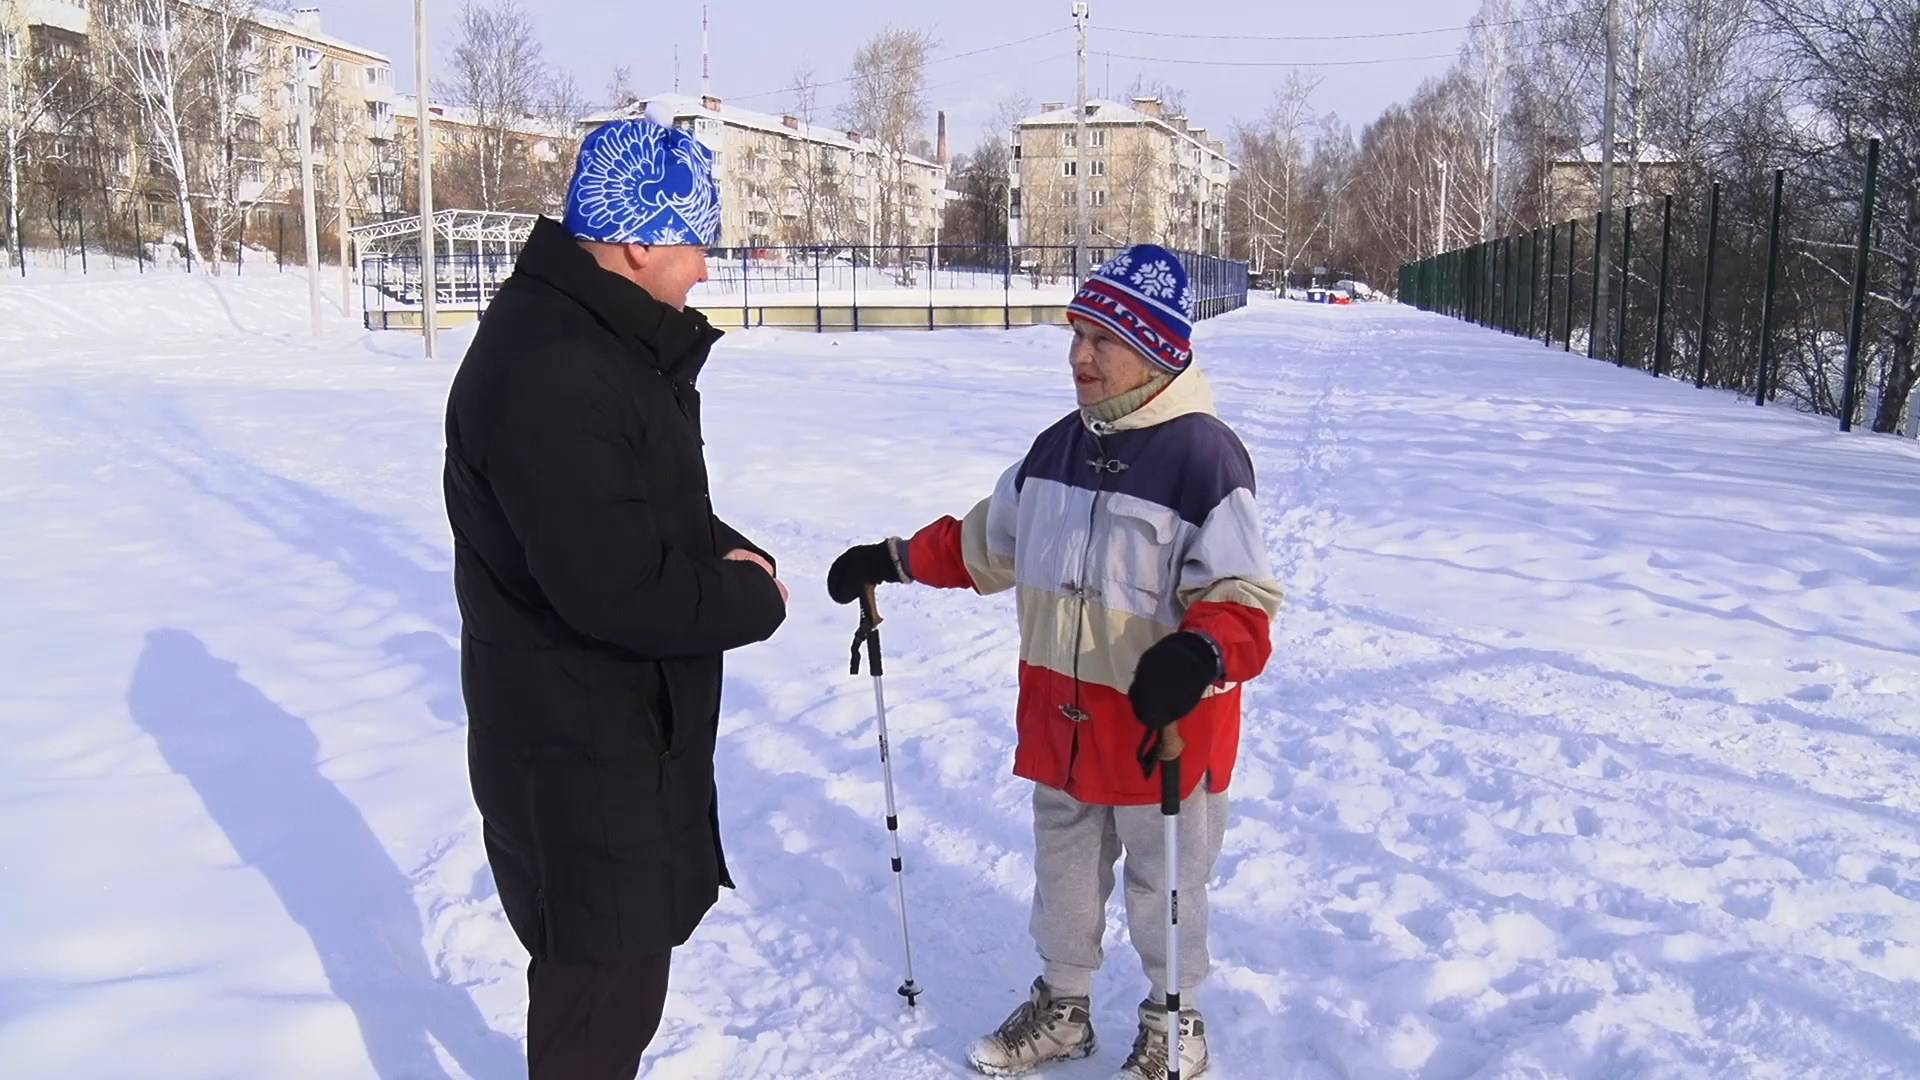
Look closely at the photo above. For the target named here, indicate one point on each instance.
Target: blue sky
(758, 43)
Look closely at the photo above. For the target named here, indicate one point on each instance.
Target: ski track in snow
(1587, 748)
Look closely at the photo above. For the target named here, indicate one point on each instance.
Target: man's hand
(743, 555)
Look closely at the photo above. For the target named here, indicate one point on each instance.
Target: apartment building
(100, 156)
(1151, 178)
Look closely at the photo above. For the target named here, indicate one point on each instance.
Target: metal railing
(821, 288)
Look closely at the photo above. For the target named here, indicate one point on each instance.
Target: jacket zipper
(1083, 590)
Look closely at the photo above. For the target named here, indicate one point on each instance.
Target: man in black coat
(598, 592)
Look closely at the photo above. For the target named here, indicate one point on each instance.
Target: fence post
(1007, 287)
(139, 241)
(80, 219)
(1516, 251)
(1533, 279)
(745, 320)
(1660, 306)
(1488, 312)
(1706, 287)
(1767, 376)
(280, 245)
(1496, 288)
(1600, 238)
(854, 258)
(930, 257)
(1861, 261)
(1626, 278)
(819, 316)
(1553, 257)
(1573, 244)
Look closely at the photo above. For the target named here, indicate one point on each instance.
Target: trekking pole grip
(1171, 745)
(868, 634)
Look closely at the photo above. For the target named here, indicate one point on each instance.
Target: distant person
(1130, 535)
(597, 593)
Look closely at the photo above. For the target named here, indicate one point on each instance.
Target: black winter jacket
(595, 605)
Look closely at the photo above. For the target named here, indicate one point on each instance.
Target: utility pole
(305, 89)
(706, 57)
(423, 130)
(1605, 238)
(1414, 196)
(1440, 223)
(1080, 208)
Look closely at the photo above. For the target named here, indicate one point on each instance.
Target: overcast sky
(758, 43)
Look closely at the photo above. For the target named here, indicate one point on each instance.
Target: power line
(1287, 63)
(908, 67)
(1345, 37)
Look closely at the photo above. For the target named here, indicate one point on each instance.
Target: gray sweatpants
(1074, 848)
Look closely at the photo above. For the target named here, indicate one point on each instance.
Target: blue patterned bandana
(638, 182)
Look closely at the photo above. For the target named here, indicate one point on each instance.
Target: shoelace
(1023, 1027)
(1149, 1053)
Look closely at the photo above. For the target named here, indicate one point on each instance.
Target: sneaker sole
(1084, 1049)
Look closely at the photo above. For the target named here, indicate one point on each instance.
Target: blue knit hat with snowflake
(1143, 296)
(641, 182)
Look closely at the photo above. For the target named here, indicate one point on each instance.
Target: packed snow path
(1590, 747)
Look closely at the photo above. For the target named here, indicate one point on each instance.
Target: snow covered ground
(1589, 746)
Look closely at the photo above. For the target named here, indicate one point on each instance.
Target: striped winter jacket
(1115, 536)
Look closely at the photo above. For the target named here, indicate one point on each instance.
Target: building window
(1099, 197)
(378, 111)
(251, 170)
(248, 129)
(1100, 168)
(306, 57)
(1069, 168)
(247, 82)
(1070, 139)
(1098, 140)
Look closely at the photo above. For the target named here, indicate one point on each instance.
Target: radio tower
(706, 57)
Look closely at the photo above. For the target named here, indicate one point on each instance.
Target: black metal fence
(821, 288)
(1758, 283)
(72, 240)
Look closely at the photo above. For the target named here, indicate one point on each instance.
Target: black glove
(859, 567)
(1171, 677)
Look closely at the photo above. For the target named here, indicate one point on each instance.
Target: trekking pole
(869, 635)
(1170, 749)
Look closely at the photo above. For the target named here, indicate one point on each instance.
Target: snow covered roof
(1114, 113)
(292, 23)
(681, 106)
(406, 107)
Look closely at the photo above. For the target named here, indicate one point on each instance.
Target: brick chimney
(306, 19)
(853, 136)
(710, 103)
(791, 121)
(1148, 106)
(942, 155)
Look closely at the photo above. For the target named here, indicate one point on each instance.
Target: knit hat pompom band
(1143, 296)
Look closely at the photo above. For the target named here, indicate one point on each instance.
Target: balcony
(69, 15)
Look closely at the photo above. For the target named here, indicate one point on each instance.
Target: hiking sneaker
(1044, 1029)
(1149, 1058)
